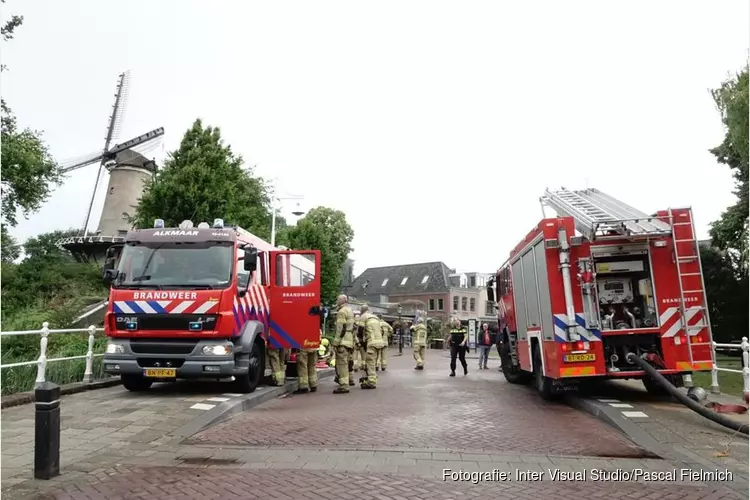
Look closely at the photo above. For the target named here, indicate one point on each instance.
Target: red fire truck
(602, 280)
(205, 302)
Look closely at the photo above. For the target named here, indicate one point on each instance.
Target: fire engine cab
(602, 280)
(204, 302)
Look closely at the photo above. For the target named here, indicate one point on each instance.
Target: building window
(455, 303)
(440, 305)
(472, 282)
(403, 281)
(482, 282)
(463, 303)
(490, 309)
(424, 280)
(432, 304)
(385, 282)
(472, 304)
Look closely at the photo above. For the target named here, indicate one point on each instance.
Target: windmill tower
(128, 170)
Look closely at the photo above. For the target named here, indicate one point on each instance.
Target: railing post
(42, 362)
(88, 374)
(746, 368)
(714, 372)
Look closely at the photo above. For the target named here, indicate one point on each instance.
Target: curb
(633, 432)
(22, 398)
(231, 408)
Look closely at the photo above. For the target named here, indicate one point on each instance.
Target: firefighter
(357, 363)
(419, 342)
(373, 342)
(361, 347)
(307, 373)
(458, 339)
(278, 364)
(386, 330)
(343, 342)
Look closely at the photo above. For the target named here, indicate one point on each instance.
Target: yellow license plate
(578, 358)
(160, 372)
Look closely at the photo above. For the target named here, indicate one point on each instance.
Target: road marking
(201, 406)
(220, 400)
(608, 400)
(620, 405)
(634, 414)
(232, 395)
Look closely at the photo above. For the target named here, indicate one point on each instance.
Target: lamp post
(276, 205)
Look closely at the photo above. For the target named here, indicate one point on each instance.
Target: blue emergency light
(131, 325)
(159, 223)
(195, 326)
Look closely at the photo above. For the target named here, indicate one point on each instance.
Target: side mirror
(491, 291)
(250, 259)
(109, 274)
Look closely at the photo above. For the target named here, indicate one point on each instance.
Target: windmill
(128, 169)
(109, 157)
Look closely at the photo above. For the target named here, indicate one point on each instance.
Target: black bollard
(47, 432)
(400, 341)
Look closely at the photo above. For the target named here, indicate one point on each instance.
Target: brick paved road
(426, 409)
(362, 466)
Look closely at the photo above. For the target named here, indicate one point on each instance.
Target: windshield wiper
(138, 286)
(196, 286)
(144, 277)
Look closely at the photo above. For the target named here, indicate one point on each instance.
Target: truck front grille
(163, 346)
(174, 322)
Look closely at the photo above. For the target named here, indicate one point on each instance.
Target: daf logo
(125, 319)
(201, 319)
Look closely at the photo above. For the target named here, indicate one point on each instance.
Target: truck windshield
(175, 264)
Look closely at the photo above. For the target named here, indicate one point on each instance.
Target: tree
(727, 295)
(28, 171)
(327, 230)
(44, 246)
(204, 180)
(730, 232)
(9, 247)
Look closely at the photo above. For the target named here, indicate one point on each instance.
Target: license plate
(578, 358)
(160, 372)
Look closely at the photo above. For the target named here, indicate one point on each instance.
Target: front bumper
(185, 358)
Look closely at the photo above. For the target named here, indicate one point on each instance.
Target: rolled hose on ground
(693, 405)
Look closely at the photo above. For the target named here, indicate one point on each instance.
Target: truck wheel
(513, 374)
(249, 382)
(543, 384)
(136, 383)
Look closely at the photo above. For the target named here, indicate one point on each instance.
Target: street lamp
(276, 206)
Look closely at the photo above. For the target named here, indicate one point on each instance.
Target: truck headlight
(115, 348)
(216, 350)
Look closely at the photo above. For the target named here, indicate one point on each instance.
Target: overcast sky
(435, 126)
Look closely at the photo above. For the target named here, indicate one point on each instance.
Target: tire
(543, 384)
(513, 374)
(248, 382)
(136, 383)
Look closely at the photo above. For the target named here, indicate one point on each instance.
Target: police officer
(343, 342)
(386, 330)
(458, 339)
(276, 358)
(419, 343)
(373, 342)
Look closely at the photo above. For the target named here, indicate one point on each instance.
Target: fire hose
(679, 396)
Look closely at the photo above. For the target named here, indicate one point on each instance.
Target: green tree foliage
(9, 247)
(727, 295)
(730, 232)
(327, 230)
(29, 172)
(204, 180)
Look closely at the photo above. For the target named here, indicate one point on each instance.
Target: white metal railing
(745, 371)
(41, 362)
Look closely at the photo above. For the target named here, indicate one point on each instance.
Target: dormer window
(385, 282)
(403, 281)
(424, 280)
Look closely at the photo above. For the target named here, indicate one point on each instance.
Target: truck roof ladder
(599, 216)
